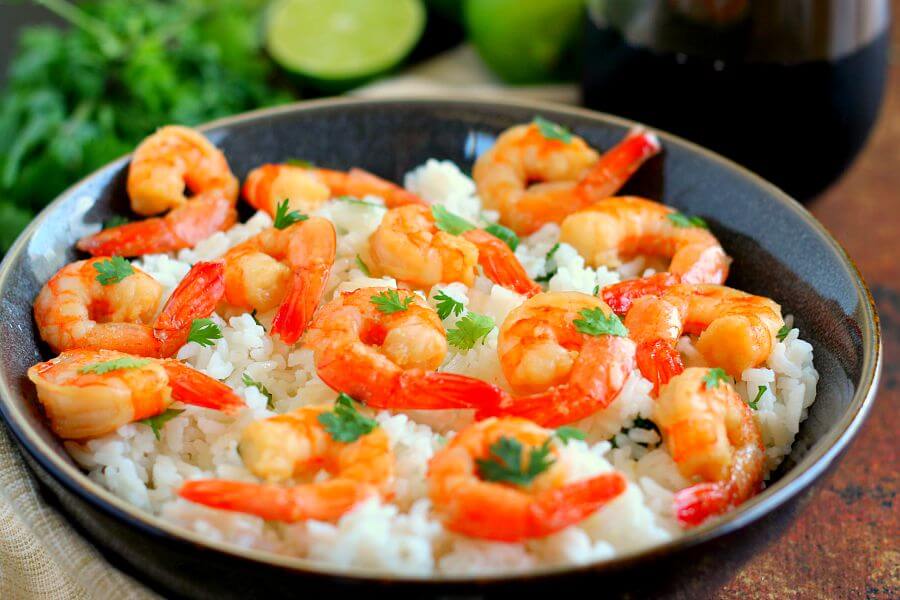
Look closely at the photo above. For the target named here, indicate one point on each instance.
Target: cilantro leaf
(595, 322)
(760, 391)
(362, 266)
(713, 377)
(469, 330)
(205, 332)
(345, 423)
(783, 333)
(285, 218)
(504, 462)
(115, 221)
(157, 422)
(113, 270)
(549, 265)
(116, 364)
(299, 162)
(446, 305)
(389, 302)
(507, 235)
(552, 131)
(681, 220)
(566, 433)
(449, 222)
(250, 382)
(352, 200)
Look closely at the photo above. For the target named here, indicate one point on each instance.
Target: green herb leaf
(760, 391)
(389, 302)
(157, 422)
(566, 433)
(505, 462)
(469, 330)
(681, 220)
(783, 333)
(250, 382)
(552, 131)
(116, 364)
(115, 221)
(113, 270)
(507, 235)
(596, 291)
(255, 320)
(205, 332)
(352, 200)
(447, 305)
(595, 322)
(549, 265)
(346, 423)
(449, 222)
(713, 377)
(299, 162)
(285, 218)
(362, 266)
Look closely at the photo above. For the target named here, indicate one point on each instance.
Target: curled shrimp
(293, 445)
(472, 506)
(75, 310)
(307, 188)
(737, 330)
(615, 230)
(408, 246)
(287, 268)
(562, 372)
(533, 180)
(89, 393)
(167, 163)
(712, 435)
(385, 356)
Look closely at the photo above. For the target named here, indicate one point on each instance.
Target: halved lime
(340, 43)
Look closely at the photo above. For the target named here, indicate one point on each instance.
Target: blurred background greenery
(90, 79)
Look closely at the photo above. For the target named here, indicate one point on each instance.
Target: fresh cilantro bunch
(79, 97)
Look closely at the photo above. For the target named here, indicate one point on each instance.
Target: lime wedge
(337, 44)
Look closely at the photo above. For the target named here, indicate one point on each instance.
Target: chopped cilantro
(783, 332)
(713, 377)
(157, 422)
(449, 222)
(595, 322)
(469, 330)
(345, 423)
(113, 270)
(446, 305)
(552, 131)
(596, 291)
(205, 332)
(754, 404)
(115, 221)
(549, 265)
(569, 433)
(299, 162)
(116, 364)
(352, 200)
(250, 382)
(505, 462)
(363, 266)
(681, 220)
(507, 235)
(389, 302)
(285, 218)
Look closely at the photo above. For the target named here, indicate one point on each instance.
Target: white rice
(404, 536)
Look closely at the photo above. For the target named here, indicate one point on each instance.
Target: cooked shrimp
(712, 435)
(408, 246)
(532, 179)
(473, 506)
(306, 189)
(89, 393)
(294, 445)
(737, 330)
(164, 165)
(75, 310)
(562, 351)
(616, 230)
(287, 268)
(381, 346)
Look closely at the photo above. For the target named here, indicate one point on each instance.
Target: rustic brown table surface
(846, 541)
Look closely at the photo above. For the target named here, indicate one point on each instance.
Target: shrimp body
(712, 435)
(503, 512)
(296, 445)
(81, 403)
(533, 180)
(737, 330)
(167, 163)
(560, 373)
(287, 268)
(408, 246)
(74, 310)
(387, 360)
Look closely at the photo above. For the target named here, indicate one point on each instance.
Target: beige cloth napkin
(41, 556)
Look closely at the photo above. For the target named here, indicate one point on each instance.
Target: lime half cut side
(340, 43)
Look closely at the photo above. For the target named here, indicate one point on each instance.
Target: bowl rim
(819, 457)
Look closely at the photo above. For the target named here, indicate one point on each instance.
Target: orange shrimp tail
(132, 239)
(417, 389)
(500, 263)
(659, 362)
(193, 387)
(618, 164)
(620, 296)
(195, 297)
(556, 509)
(304, 292)
(697, 503)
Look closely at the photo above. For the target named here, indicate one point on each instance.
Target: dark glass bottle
(788, 88)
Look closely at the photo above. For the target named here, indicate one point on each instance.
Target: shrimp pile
(563, 357)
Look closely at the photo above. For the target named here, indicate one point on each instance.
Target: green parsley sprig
(285, 218)
(113, 270)
(447, 305)
(345, 423)
(449, 222)
(681, 220)
(566, 433)
(250, 382)
(595, 322)
(506, 462)
(552, 131)
(469, 330)
(713, 377)
(205, 332)
(505, 234)
(389, 302)
(116, 364)
(157, 422)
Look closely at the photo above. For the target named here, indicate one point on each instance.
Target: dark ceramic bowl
(779, 250)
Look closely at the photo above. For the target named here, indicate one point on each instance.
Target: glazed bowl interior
(779, 251)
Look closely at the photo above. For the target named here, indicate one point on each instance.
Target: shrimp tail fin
(618, 164)
(438, 390)
(620, 296)
(132, 239)
(500, 263)
(558, 508)
(659, 361)
(193, 387)
(195, 297)
(304, 291)
(697, 503)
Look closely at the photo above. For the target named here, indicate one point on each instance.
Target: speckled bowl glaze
(779, 250)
